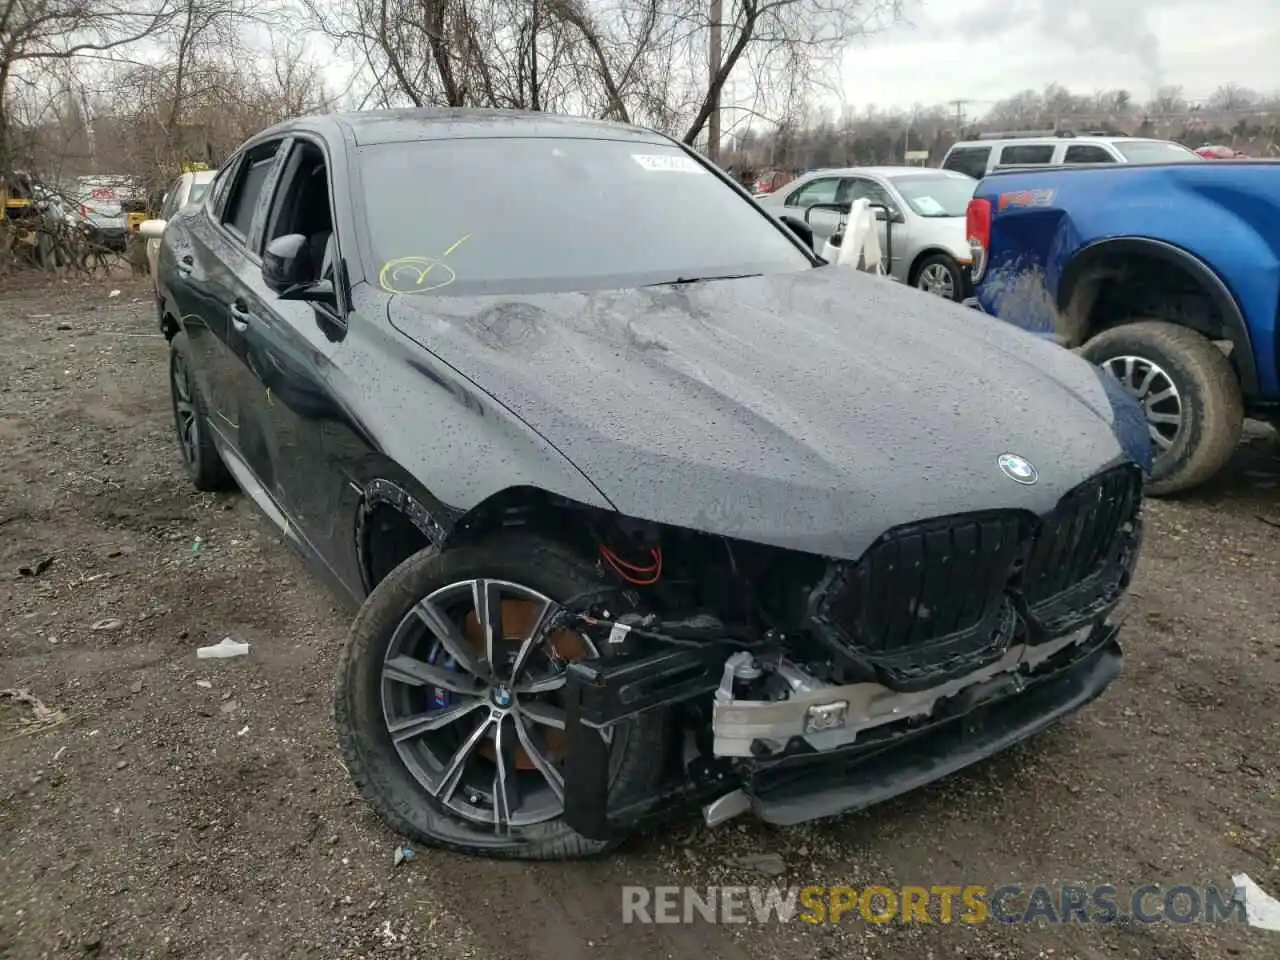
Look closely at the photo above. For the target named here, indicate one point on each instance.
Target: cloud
(1122, 27)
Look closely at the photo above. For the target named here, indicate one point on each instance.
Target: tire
(1212, 409)
(929, 272)
(381, 774)
(199, 455)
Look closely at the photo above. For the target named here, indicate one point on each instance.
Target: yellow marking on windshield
(458, 244)
(408, 275)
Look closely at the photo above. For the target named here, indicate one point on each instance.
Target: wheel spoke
(539, 760)
(451, 638)
(487, 598)
(541, 685)
(457, 764)
(1174, 419)
(410, 727)
(1142, 388)
(1161, 440)
(532, 641)
(546, 714)
(180, 381)
(506, 789)
(419, 673)
(1168, 393)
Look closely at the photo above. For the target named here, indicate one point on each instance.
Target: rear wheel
(450, 706)
(1188, 391)
(190, 419)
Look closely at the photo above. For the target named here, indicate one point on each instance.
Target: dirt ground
(169, 807)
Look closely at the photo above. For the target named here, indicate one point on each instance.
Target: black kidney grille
(1082, 534)
(928, 582)
(933, 598)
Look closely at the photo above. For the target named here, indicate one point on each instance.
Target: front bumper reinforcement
(828, 784)
(805, 784)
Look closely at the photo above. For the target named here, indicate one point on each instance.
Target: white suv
(979, 157)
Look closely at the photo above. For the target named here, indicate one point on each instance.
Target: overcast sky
(984, 50)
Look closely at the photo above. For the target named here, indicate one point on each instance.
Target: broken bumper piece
(812, 786)
(822, 752)
(823, 717)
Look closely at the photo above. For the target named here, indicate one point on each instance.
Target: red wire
(654, 572)
(634, 568)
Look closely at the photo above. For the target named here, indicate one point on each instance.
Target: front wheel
(940, 275)
(450, 706)
(1188, 391)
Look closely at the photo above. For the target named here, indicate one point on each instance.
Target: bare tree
(37, 33)
(1232, 96)
(642, 61)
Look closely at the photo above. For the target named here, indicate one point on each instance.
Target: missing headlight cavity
(391, 527)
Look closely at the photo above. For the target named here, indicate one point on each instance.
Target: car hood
(810, 411)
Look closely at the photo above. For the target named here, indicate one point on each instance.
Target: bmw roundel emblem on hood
(1017, 469)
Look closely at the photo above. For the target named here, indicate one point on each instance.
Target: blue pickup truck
(1167, 276)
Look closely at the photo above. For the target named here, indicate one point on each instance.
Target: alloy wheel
(1158, 394)
(186, 417)
(937, 279)
(472, 697)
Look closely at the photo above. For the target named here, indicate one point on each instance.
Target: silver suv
(979, 157)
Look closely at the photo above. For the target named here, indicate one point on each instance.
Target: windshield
(946, 195)
(1155, 151)
(538, 215)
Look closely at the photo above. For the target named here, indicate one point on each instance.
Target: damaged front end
(947, 642)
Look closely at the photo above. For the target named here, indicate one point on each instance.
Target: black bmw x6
(642, 505)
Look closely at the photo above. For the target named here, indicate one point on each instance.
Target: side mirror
(884, 213)
(800, 229)
(286, 264)
(152, 229)
(289, 271)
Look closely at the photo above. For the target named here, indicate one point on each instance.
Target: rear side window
(822, 190)
(1027, 153)
(238, 214)
(1087, 153)
(970, 160)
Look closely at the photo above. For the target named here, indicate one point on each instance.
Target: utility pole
(959, 105)
(715, 57)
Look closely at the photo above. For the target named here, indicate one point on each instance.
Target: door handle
(239, 317)
(186, 264)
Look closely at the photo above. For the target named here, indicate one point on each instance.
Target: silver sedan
(921, 214)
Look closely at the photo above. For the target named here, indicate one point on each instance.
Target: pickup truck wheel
(1188, 390)
(191, 422)
(939, 274)
(450, 707)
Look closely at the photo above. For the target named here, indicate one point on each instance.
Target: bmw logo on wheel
(1017, 469)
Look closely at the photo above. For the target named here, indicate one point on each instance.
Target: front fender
(1236, 329)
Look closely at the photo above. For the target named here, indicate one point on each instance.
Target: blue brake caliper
(441, 698)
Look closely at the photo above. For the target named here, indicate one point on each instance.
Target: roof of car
(1085, 139)
(883, 171)
(438, 123)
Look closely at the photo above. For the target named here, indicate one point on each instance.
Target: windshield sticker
(411, 275)
(667, 163)
(929, 207)
(1026, 198)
